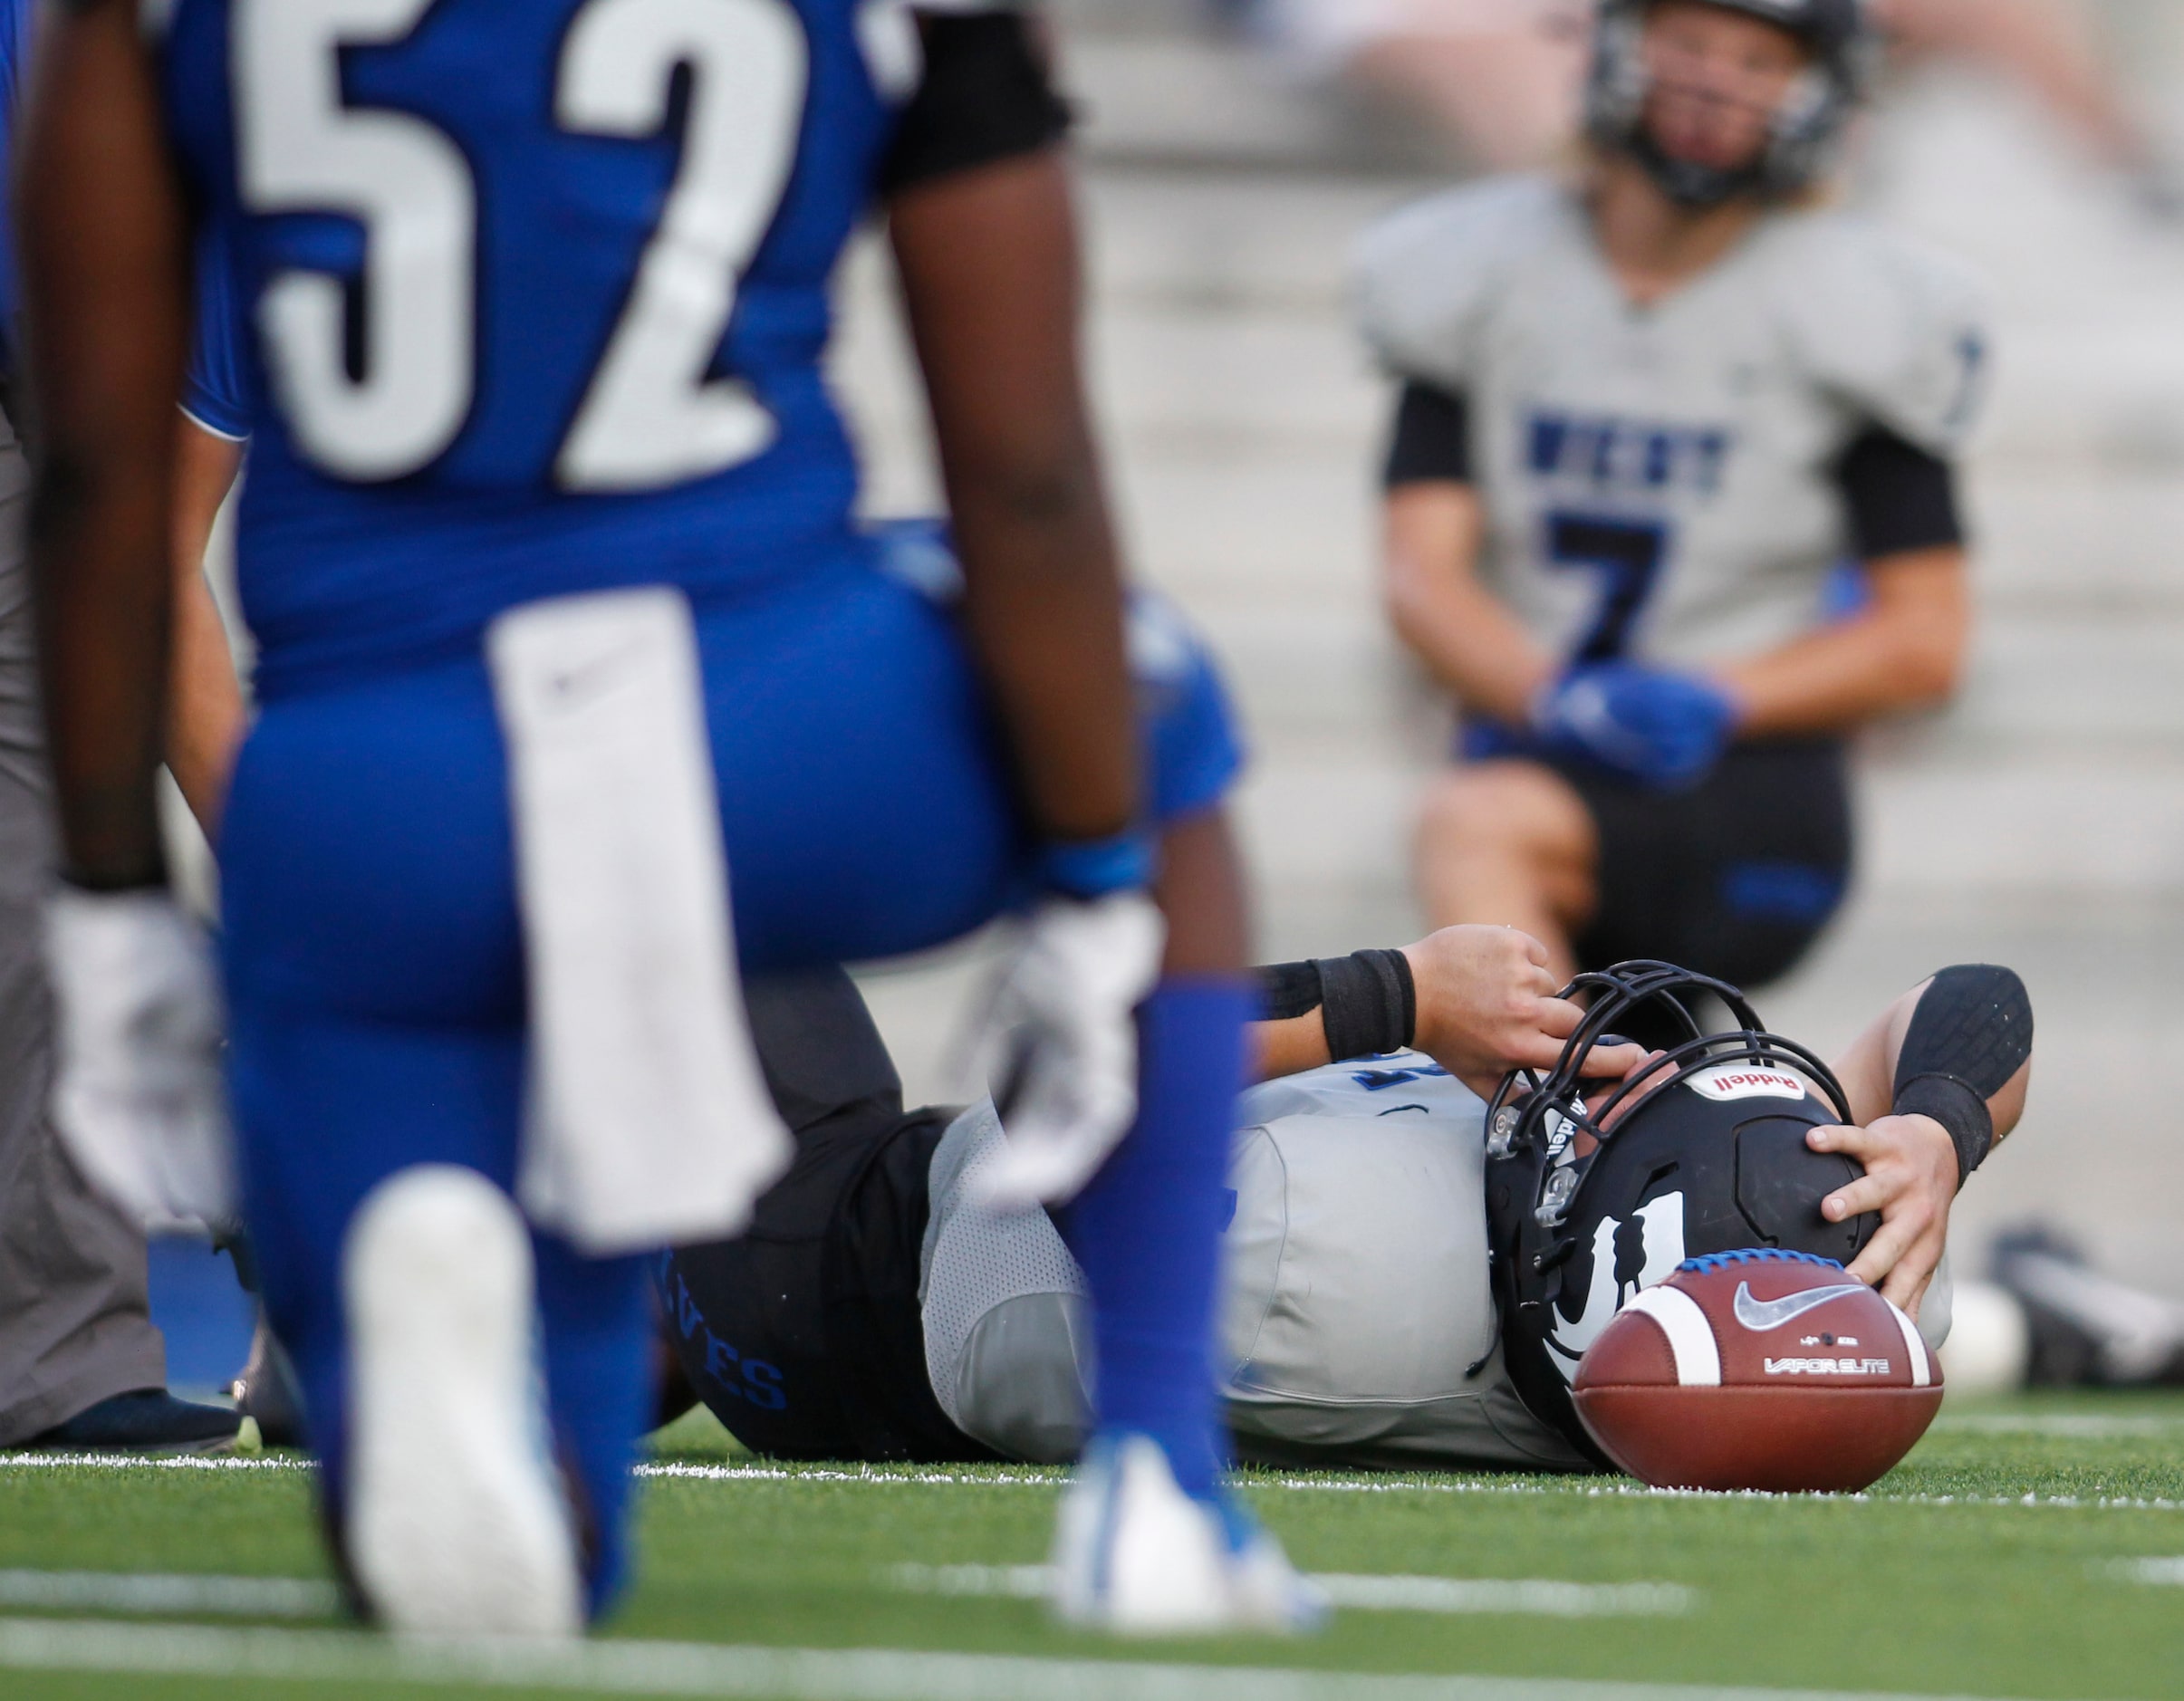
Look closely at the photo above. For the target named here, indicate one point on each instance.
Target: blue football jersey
(214, 393)
(536, 293)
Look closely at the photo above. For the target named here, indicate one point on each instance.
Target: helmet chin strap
(1694, 188)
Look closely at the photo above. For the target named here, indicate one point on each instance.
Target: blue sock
(1148, 1228)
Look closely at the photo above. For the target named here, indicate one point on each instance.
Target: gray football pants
(75, 1325)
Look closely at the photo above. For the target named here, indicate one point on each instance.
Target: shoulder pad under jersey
(1408, 1083)
(1423, 279)
(1897, 330)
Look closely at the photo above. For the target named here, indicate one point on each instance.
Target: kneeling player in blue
(565, 633)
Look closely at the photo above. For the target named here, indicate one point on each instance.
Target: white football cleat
(456, 1520)
(1137, 1556)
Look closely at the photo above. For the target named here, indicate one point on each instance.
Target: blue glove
(1664, 730)
(1483, 740)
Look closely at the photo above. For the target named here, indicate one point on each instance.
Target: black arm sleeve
(1367, 1000)
(986, 96)
(1970, 1033)
(1431, 441)
(1900, 496)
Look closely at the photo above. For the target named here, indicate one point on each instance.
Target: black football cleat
(149, 1420)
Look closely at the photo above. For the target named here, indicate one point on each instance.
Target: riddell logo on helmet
(1736, 1080)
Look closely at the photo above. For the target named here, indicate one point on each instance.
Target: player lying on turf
(547, 548)
(1645, 417)
(882, 1309)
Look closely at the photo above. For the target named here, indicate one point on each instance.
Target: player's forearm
(1288, 1046)
(205, 717)
(988, 264)
(1904, 653)
(1466, 638)
(205, 714)
(105, 271)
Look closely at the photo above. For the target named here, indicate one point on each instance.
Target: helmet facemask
(1803, 131)
(1597, 1189)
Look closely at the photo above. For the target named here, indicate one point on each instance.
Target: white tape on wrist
(650, 1121)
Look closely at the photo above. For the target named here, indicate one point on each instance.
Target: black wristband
(1958, 1108)
(1289, 989)
(1368, 1003)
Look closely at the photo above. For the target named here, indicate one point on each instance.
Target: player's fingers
(1852, 1142)
(1868, 1193)
(1914, 1270)
(1536, 953)
(1884, 1253)
(1616, 1063)
(1558, 1016)
(1529, 1049)
(1906, 1283)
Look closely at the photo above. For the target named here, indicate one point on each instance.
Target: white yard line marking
(1532, 1597)
(783, 1673)
(2167, 1571)
(1021, 1582)
(2070, 1426)
(1587, 1488)
(1033, 1476)
(1041, 1478)
(148, 1462)
(209, 1597)
(1527, 1597)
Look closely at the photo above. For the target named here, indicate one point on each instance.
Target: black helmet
(1804, 131)
(1708, 1155)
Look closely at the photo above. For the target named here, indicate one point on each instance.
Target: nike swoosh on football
(1761, 1315)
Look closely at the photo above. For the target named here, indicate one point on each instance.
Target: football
(1759, 1370)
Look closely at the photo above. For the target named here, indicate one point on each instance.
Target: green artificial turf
(1991, 1564)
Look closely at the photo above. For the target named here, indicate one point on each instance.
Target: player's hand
(1910, 1178)
(1060, 1044)
(1486, 1005)
(1665, 730)
(138, 1097)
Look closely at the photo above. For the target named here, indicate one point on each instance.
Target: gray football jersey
(1661, 482)
(1360, 1318)
(1358, 1321)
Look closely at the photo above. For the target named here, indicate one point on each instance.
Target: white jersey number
(652, 416)
(301, 150)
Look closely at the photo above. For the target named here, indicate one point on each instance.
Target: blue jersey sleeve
(14, 25)
(212, 392)
(1193, 752)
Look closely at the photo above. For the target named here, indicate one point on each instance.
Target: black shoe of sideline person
(149, 1420)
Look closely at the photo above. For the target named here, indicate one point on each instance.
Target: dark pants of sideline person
(76, 1322)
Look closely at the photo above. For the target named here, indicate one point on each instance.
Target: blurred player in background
(1500, 78)
(82, 1365)
(561, 617)
(1644, 418)
(1505, 79)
